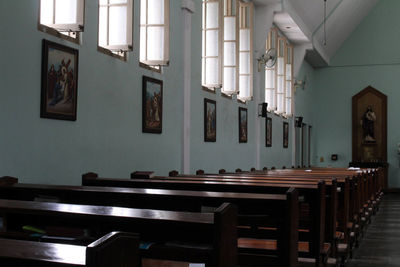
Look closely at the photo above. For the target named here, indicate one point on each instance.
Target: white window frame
(289, 54)
(165, 60)
(281, 53)
(270, 44)
(243, 25)
(220, 55)
(119, 50)
(69, 32)
(228, 13)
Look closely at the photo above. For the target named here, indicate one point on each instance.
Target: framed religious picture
(268, 132)
(242, 125)
(285, 134)
(210, 120)
(152, 94)
(59, 90)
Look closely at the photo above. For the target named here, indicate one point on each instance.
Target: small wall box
(334, 157)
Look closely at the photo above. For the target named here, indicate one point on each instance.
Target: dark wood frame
(44, 113)
(240, 123)
(268, 125)
(146, 129)
(285, 136)
(206, 139)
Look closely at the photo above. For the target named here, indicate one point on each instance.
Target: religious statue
(367, 123)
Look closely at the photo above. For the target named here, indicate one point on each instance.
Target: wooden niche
(369, 126)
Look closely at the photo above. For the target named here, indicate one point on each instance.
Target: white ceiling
(343, 16)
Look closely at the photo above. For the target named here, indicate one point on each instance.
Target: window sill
(226, 96)
(148, 67)
(54, 32)
(122, 57)
(209, 90)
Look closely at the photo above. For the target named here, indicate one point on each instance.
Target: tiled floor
(380, 246)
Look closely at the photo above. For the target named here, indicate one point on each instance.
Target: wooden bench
(312, 193)
(258, 213)
(115, 249)
(210, 238)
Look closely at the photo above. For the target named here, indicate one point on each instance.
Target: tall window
(211, 54)
(279, 78)
(64, 16)
(245, 51)
(270, 77)
(230, 61)
(115, 25)
(154, 32)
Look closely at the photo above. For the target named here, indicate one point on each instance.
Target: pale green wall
(368, 57)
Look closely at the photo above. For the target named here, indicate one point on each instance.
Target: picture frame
(268, 132)
(210, 120)
(59, 81)
(243, 125)
(152, 104)
(285, 134)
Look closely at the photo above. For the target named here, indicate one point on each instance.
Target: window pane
(155, 43)
(103, 26)
(288, 71)
(229, 54)
(143, 13)
(212, 15)
(103, 2)
(156, 11)
(212, 71)
(280, 66)
(244, 67)
(118, 1)
(117, 28)
(269, 98)
(66, 11)
(212, 43)
(280, 103)
(142, 43)
(281, 84)
(244, 39)
(46, 12)
(229, 79)
(288, 106)
(288, 88)
(244, 86)
(229, 29)
(270, 78)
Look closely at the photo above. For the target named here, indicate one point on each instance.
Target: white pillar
(187, 9)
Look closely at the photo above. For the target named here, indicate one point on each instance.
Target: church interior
(199, 133)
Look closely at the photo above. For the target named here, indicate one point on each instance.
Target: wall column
(187, 9)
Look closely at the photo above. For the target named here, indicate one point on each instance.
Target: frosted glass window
(280, 103)
(62, 15)
(280, 65)
(280, 84)
(117, 1)
(212, 72)
(244, 39)
(156, 11)
(288, 71)
(155, 43)
(117, 26)
(229, 79)
(230, 54)
(229, 29)
(245, 51)
(154, 32)
(270, 78)
(212, 15)
(103, 26)
(66, 11)
(288, 88)
(288, 106)
(244, 63)
(212, 64)
(269, 98)
(212, 43)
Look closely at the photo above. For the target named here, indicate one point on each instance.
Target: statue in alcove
(367, 123)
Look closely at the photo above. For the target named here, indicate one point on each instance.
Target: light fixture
(262, 110)
(298, 123)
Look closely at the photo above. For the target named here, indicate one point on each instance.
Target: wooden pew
(257, 212)
(115, 249)
(179, 236)
(314, 194)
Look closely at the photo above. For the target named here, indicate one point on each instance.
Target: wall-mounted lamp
(262, 110)
(298, 122)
